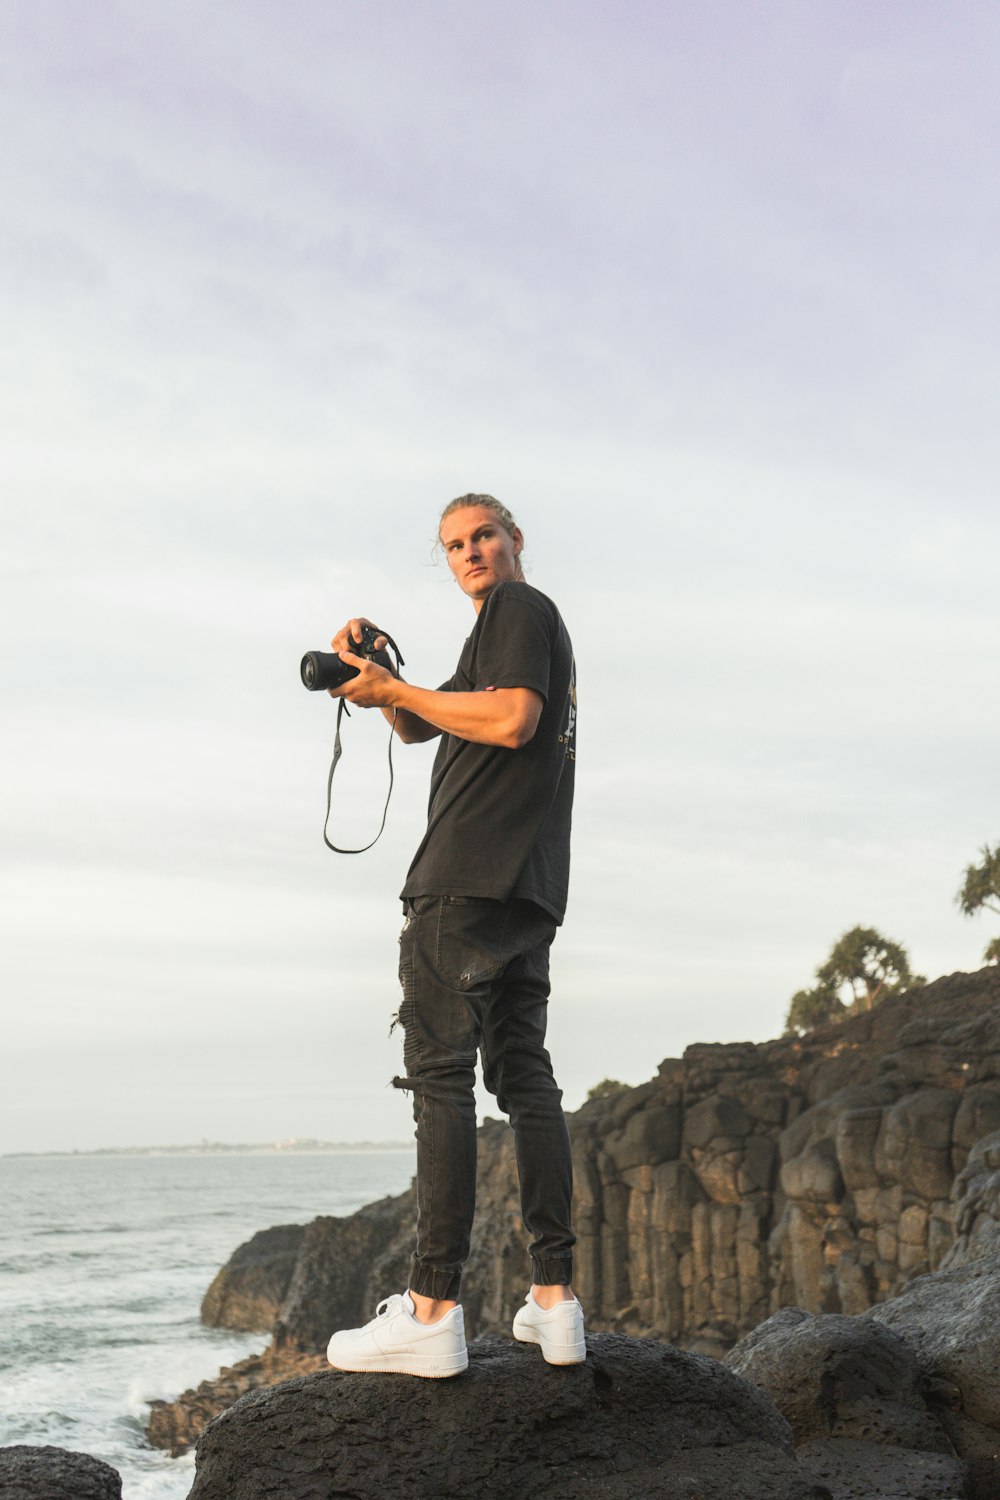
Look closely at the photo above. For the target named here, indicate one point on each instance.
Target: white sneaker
(395, 1342)
(559, 1330)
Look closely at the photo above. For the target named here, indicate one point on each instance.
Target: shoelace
(387, 1307)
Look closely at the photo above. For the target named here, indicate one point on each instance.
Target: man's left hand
(373, 686)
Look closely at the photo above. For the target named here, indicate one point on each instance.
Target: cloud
(701, 295)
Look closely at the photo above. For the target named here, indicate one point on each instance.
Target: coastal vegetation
(863, 968)
(608, 1088)
(980, 891)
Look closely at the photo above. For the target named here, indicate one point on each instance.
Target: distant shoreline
(220, 1148)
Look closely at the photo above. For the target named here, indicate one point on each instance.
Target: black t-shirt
(498, 821)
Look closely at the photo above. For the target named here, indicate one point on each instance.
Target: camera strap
(338, 750)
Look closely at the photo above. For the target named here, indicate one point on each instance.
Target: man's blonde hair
(503, 515)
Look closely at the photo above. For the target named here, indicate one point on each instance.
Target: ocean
(104, 1261)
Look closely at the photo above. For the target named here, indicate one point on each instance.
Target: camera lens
(324, 669)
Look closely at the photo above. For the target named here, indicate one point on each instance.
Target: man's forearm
(505, 716)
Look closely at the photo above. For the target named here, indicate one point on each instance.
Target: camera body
(324, 669)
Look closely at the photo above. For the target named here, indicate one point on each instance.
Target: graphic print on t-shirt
(568, 737)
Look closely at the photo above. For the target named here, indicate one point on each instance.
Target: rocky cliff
(821, 1172)
(902, 1401)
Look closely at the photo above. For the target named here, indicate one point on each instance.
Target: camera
(324, 669)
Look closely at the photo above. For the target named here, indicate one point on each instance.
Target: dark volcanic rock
(55, 1474)
(920, 1372)
(950, 1321)
(249, 1290)
(977, 1205)
(344, 1268)
(838, 1377)
(855, 1470)
(813, 1171)
(854, 1395)
(823, 1172)
(177, 1425)
(637, 1421)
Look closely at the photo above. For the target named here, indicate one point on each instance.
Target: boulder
(853, 1394)
(814, 1177)
(637, 1421)
(249, 1290)
(903, 1401)
(840, 1377)
(28, 1473)
(949, 1320)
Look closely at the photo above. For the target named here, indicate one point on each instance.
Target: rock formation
(855, 1396)
(950, 1322)
(976, 1195)
(905, 1397)
(249, 1290)
(177, 1425)
(637, 1421)
(823, 1172)
(28, 1473)
(811, 1171)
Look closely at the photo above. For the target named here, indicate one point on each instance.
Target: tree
(863, 968)
(812, 1008)
(981, 891)
(608, 1088)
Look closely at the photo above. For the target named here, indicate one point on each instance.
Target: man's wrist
(398, 693)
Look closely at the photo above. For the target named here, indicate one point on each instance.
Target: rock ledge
(638, 1421)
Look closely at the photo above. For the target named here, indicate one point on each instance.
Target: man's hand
(349, 635)
(359, 689)
(372, 688)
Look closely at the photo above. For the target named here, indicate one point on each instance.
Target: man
(483, 897)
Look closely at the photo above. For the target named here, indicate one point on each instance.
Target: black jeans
(475, 977)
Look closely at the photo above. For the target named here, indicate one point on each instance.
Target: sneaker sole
(440, 1368)
(564, 1354)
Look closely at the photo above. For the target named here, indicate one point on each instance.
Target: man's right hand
(348, 638)
(410, 727)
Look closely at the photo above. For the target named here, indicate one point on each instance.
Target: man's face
(481, 553)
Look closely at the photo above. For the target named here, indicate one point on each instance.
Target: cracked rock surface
(637, 1421)
(859, 1404)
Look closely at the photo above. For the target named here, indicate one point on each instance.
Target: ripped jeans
(475, 978)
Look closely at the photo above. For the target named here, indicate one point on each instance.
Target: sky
(704, 292)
